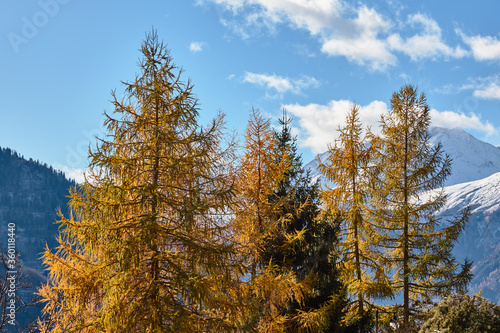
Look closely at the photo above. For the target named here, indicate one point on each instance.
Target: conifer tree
(262, 223)
(147, 247)
(345, 169)
(307, 243)
(257, 179)
(463, 313)
(407, 182)
(297, 199)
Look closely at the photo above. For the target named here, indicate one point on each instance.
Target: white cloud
(362, 44)
(453, 119)
(73, 173)
(312, 15)
(487, 87)
(319, 123)
(360, 34)
(196, 46)
(426, 44)
(483, 48)
(492, 91)
(281, 84)
(330, 21)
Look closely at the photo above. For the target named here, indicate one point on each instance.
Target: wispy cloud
(359, 33)
(280, 84)
(492, 91)
(483, 48)
(319, 123)
(197, 46)
(486, 87)
(447, 89)
(303, 50)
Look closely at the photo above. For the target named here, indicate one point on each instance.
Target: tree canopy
(145, 248)
(173, 231)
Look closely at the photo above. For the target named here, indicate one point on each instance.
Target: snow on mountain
(483, 197)
(312, 166)
(481, 239)
(473, 159)
(474, 182)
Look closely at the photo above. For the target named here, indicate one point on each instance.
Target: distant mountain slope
(312, 166)
(30, 194)
(487, 276)
(473, 159)
(481, 240)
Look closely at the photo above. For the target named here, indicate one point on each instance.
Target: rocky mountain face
(474, 182)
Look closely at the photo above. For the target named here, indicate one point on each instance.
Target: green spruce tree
(293, 285)
(272, 287)
(308, 242)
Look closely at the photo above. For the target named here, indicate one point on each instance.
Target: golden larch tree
(147, 247)
(259, 220)
(346, 192)
(408, 177)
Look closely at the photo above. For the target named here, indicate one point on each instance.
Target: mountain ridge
(472, 159)
(481, 239)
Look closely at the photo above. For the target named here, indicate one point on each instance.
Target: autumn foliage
(178, 229)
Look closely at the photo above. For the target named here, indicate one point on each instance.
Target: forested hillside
(30, 194)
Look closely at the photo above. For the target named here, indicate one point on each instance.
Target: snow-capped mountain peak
(473, 159)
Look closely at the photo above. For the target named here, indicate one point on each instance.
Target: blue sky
(60, 59)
